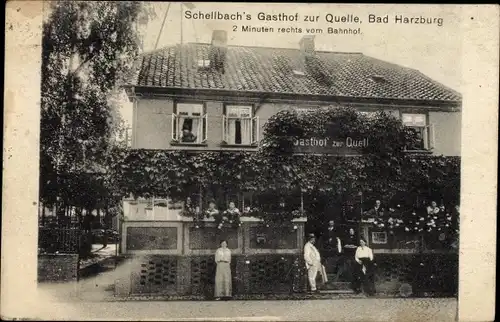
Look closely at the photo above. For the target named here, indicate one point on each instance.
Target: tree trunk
(43, 214)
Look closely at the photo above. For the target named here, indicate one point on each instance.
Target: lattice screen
(156, 275)
(271, 274)
(393, 268)
(202, 271)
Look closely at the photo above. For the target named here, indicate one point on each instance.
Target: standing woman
(364, 257)
(223, 283)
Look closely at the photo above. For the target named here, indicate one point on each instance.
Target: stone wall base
(57, 268)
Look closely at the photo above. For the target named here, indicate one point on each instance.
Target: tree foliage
(86, 48)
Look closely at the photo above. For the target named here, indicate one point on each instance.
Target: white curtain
(197, 129)
(240, 114)
(231, 130)
(246, 131)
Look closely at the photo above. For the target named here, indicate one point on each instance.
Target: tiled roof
(270, 70)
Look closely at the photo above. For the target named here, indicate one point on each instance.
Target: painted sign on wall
(330, 145)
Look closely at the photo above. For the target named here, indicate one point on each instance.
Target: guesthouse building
(218, 97)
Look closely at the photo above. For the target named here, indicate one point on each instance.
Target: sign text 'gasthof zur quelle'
(329, 145)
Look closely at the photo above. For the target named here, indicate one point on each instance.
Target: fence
(59, 240)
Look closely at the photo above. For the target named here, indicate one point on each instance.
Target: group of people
(352, 258)
(358, 263)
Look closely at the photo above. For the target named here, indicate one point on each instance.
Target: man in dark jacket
(331, 248)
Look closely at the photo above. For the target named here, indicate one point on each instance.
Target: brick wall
(57, 268)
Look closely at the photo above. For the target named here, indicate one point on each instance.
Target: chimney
(307, 45)
(218, 50)
(311, 63)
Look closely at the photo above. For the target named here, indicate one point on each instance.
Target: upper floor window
(189, 123)
(424, 131)
(302, 110)
(239, 125)
(368, 115)
(203, 63)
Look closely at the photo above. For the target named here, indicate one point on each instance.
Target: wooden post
(200, 196)
(301, 201)
(153, 210)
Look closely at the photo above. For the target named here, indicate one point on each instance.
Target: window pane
(420, 143)
(368, 114)
(189, 109)
(239, 128)
(238, 111)
(303, 110)
(148, 238)
(414, 119)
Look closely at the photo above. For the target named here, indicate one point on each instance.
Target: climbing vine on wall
(383, 170)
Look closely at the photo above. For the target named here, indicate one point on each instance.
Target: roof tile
(270, 70)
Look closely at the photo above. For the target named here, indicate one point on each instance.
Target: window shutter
(431, 136)
(175, 127)
(425, 133)
(255, 130)
(224, 120)
(205, 128)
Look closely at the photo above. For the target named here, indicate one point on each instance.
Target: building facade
(222, 95)
(217, 97)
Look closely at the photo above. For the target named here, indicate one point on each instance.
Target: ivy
(383, 171)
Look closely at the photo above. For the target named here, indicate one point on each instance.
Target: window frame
(377, 241)
(254, 124)
(427, 130)
(175, 126)
(204, 63)
(369, 114)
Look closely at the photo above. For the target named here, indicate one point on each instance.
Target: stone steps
(336, 287)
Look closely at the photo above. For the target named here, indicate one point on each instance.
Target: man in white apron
(313, 261)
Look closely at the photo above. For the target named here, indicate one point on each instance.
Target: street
(95, 301)
(365, 309)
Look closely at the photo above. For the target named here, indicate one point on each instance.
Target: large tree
(86, 48)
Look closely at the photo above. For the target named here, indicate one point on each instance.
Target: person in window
(188, 136)
(223, 282)
(419, 140)
(212, 211)
(187, 124)
(232, 214)
(376, 212)
(364, 258)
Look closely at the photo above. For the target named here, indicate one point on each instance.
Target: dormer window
(203, 63)
(378, 79)
(298, 72)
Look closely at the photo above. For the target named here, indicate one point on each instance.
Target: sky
(432, 49)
